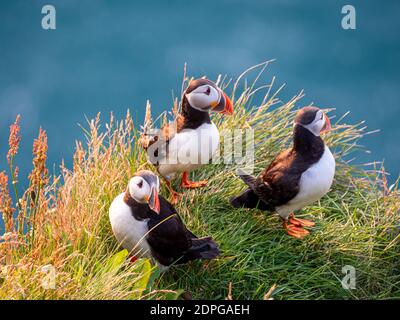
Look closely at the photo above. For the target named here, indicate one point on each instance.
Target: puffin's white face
(317, 124)
(140, 190)
(204, 97)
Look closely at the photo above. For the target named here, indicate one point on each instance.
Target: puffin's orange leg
(300, 222)
(186, 183)
(175, 195)
(295, 231)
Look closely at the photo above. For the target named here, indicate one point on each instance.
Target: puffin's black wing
(247, 179)
(168, 236)
(275, 186)
(249, 198)
(280, 182)
(171, 242)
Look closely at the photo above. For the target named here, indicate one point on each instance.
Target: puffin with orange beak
(191, 140)
(147, 225)
(297, 177)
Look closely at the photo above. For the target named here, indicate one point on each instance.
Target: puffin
(297, 177)
(192, 138)
(148, 226)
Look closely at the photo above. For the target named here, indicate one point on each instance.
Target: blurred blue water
(109, 56)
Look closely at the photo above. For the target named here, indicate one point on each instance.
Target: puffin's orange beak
(224, 106)
(154, 201)
(228, 110)
(327, 126)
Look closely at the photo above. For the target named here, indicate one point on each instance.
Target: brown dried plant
(6, 207)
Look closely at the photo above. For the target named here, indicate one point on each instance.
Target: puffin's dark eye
(140, 184)
(208, 91)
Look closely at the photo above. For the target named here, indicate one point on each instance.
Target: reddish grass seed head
(38, 176)
(14, 139)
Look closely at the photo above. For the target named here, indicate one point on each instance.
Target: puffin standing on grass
(147, 225)
(297, 177)
(191, 139)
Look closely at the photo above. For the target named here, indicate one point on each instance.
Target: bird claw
(295, 227)
(193, 184)
(300, 222)
(186, 183)
(296, 232)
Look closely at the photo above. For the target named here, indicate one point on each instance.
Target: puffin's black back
(169, 239)
(280, 181)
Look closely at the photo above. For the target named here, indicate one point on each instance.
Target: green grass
(357, 222)
(353, 227)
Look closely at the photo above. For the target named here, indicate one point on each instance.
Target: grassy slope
(356, 224)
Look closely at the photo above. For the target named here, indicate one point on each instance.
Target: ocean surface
(113, 55)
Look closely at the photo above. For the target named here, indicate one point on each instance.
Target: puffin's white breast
(129, 232)
(189, 149)
(315, 182)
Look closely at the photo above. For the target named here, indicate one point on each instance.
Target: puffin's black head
(144, 188)
(313, 119)
(204, 95)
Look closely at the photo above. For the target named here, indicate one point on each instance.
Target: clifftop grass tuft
(58, 243)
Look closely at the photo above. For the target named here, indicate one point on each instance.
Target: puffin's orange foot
(295, 231)
(133, 259)
(300, 222)
(186, 183)
(194, 184)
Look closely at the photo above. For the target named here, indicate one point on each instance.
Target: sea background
(113, 55)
